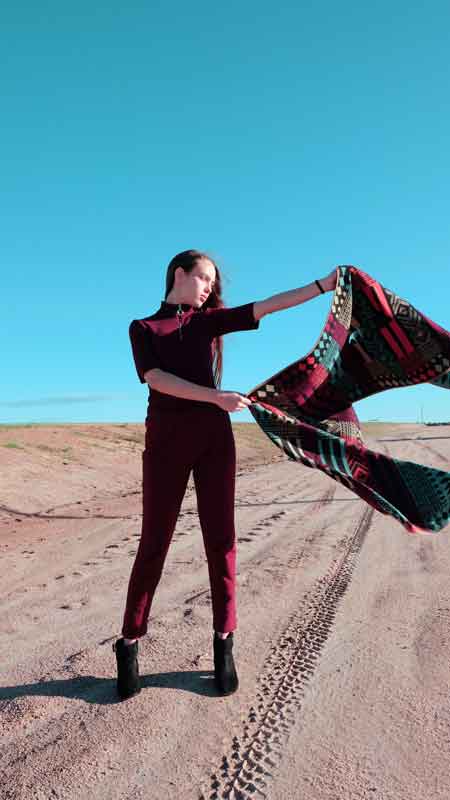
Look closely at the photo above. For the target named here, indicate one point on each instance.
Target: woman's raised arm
(294, 297)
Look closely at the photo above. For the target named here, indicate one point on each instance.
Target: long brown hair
(187, 260)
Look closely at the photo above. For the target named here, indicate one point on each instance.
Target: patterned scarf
(373, 340)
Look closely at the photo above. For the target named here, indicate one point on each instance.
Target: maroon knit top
(182, 344)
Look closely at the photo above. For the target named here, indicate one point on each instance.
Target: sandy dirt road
(342, 648)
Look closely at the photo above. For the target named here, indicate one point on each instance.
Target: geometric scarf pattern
(372, 341)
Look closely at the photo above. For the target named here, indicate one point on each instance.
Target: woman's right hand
(231, 401)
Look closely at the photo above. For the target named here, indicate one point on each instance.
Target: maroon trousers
(176, 442)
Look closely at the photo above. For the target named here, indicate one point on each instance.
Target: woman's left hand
(329, 283)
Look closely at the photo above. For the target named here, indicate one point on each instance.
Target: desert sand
(342, 646)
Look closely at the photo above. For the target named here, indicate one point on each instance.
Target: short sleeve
(227, 320)
(141, 346)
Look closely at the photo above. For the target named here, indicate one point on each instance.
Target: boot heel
(128, 681)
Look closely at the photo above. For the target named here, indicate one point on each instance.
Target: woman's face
(200, 282)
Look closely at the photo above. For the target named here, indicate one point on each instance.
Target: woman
(178, 352)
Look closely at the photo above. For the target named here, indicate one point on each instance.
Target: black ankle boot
(127, 668)
(225, 675)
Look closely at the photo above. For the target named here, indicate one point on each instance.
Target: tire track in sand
(439, 456)
(288, 669)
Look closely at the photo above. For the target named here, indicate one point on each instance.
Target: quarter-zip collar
(177, 309)
(174, 307)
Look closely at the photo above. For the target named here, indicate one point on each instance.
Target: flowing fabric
(373, 340)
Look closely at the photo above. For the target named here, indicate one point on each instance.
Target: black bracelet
(322, 290)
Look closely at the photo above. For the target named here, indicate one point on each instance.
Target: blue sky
(281, 138)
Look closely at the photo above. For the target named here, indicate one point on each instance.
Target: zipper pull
(179, 315)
